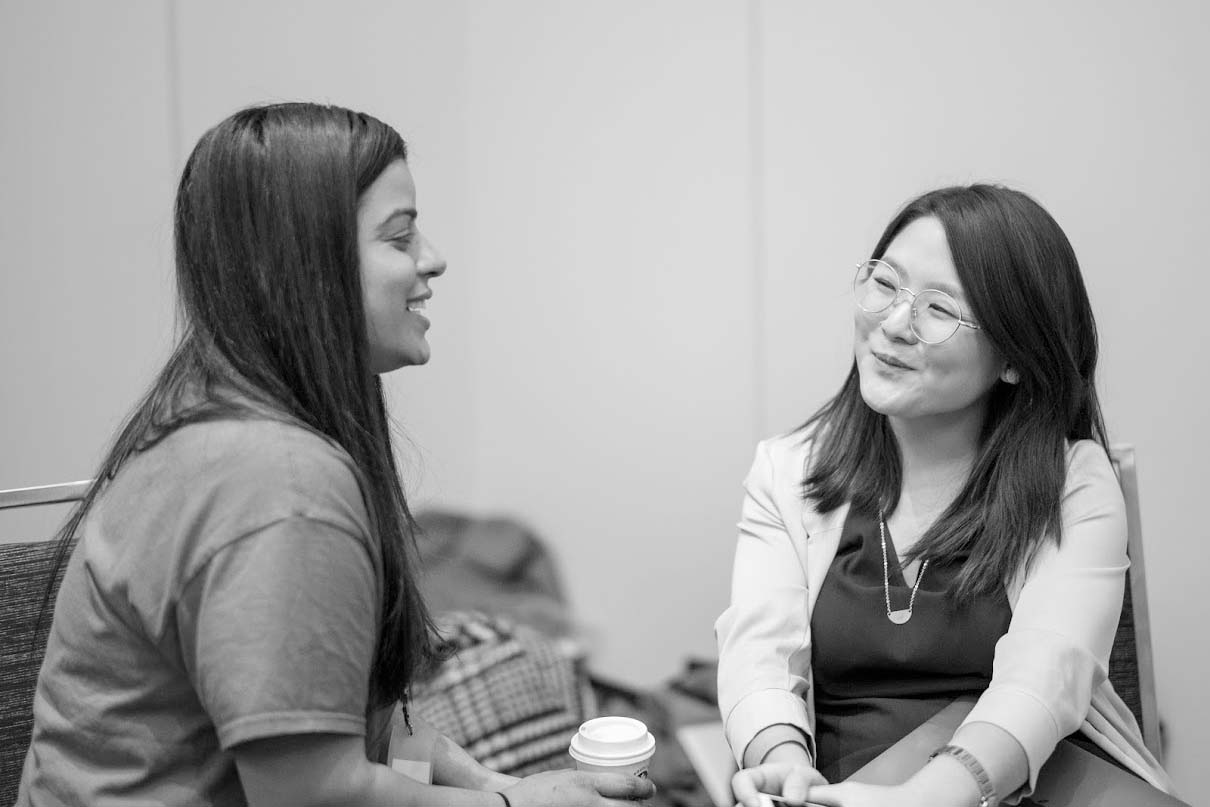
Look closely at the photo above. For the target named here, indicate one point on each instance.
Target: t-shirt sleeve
(277, 631)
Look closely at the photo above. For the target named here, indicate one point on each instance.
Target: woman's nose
(897, 322)
(431, 263)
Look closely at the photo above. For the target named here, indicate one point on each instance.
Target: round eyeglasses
(936, 316)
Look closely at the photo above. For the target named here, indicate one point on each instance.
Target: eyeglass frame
(912, 309)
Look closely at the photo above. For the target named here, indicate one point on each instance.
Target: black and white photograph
(570, 403)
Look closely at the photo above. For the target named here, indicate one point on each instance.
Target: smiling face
(397, 263)
(904, 378)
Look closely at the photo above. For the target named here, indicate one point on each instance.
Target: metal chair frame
(44, 494)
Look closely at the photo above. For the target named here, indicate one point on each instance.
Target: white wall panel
(85, 223)
(614, 332)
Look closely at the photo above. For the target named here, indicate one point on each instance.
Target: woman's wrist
(987, 793)
(498, 781)
(454, 767)
(943, 782)
(788, 751)
(999, 753)
(767, 739)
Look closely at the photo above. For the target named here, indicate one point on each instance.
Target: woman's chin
(888, 408)
(410, 356)
(881, 397)
(419, 356)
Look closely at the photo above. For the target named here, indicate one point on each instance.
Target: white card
(420, 771)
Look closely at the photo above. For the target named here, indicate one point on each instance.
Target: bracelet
(507, 803)
(987, 794)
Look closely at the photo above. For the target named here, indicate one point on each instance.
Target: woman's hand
(845, 794)
(852, 794)
(578, 789)
(794, 781)
(925, 789)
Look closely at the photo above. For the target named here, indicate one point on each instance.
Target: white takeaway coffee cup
(613, 745)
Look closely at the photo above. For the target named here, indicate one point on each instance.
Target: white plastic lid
(612, 741)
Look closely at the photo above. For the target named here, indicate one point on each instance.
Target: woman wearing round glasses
(948, 525)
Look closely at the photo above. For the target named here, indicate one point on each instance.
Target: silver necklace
(903, 614)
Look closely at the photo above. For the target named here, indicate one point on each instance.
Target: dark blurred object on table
(494, 565)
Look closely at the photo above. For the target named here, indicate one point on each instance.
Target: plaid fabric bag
(510, 696)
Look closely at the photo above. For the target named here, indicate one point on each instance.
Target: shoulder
(237, 475)
(1087, 456)
(1094, 529)
(776, 478)
(785, 455)
(1092, 482)
(271, 455)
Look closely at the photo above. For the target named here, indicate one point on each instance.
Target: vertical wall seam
(756, 208)
(173, 73)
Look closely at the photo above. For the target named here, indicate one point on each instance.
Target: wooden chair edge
(1124, 462)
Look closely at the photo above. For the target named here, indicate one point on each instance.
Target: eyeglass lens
(935, 314)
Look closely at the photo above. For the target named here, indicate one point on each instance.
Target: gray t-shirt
(225, 588)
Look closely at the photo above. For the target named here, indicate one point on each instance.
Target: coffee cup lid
(612, 740)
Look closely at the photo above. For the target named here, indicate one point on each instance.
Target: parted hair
(272, 324)
(1024, 286)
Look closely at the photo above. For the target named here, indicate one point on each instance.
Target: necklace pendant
(901, 616)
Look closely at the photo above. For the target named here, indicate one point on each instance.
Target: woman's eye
(886, 284)
(402, 242)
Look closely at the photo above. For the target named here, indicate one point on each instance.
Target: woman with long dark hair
(239, 618)
(948, 525)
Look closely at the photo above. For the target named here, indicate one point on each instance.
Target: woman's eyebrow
(906, 278)
(403, 212)
(951, 290)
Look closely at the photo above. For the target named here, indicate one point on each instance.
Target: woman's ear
(1009, 375)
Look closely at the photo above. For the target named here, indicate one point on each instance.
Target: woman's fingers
(762, 801)
(798, 783)
(848, 794)
(746, 785)
(792, 782)
(624, 786)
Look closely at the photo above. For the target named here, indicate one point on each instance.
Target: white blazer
(1049, 675)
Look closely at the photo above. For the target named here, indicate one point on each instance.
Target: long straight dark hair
(272, 324)
(1023, 283)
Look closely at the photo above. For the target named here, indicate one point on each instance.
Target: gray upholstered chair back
(24, 573)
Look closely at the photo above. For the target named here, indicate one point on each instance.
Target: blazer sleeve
(764, 634)
(1056, 650)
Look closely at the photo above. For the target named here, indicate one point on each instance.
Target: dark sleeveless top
(875, 681)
